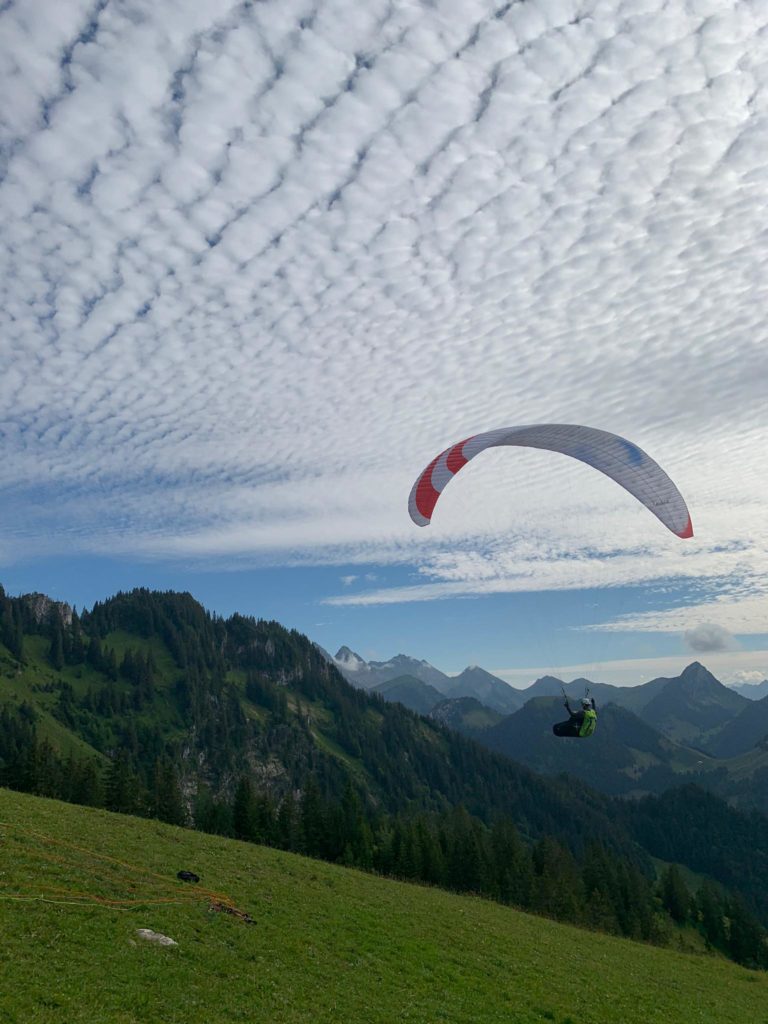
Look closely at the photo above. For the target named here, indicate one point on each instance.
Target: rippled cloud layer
(259, 261)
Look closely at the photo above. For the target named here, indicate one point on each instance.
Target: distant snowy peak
(356, 670)
(472, 682)
(402, 664)
(347, 659)
(401, 659)
(365, 674)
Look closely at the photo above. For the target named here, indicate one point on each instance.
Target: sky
(261, 261)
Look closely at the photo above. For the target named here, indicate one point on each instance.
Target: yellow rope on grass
(91, 901)
(216, 900)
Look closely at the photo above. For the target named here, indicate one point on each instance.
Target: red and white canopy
(612, 455)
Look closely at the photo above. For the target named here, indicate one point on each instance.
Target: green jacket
(589, 724)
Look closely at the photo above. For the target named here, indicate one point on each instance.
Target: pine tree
(244, 811)
(49, 771)
(746, 939)
(432, 861)
(354, 826)
(146, 677)
(15, 635)
(56, 650)
(167, 803)
(635, 905)
(75, 647)
(512, 865)
(127, 667)
(95, 656)
(601, 890)
(467, 868)
(122, 786)
(210, 815)
(288, 827)
(557, 889)
(312, 820)
(87, 785)
(110, 664)
(711, 914)
(674, 894)
(266, 820)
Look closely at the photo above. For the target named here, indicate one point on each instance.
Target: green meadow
(274, 937)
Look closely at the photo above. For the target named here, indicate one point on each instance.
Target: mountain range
(147, 704)
(691, 710)
(650, 737)
(472, 682)
(753, 691)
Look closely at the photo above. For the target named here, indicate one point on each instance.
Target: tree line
(186, 744)
(453, 850)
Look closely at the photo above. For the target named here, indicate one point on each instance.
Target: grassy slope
(329, 944)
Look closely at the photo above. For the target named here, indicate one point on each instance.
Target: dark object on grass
(187, 876)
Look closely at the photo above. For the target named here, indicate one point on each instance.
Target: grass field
(327, 945)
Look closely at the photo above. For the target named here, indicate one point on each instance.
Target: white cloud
(740, 608)
(258, 264)
(708, 637)
(750, 676)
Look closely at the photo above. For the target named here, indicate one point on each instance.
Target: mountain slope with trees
(747, 730)
(627, 756)
(240, 726)
(179, 705)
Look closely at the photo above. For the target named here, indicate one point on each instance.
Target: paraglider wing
(612, 455)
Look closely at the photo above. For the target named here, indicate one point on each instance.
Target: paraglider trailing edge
(615, 456)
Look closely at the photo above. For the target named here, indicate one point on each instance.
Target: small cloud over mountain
(709, 637)
(749, 677)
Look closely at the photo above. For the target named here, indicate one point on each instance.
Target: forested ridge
(147, 704)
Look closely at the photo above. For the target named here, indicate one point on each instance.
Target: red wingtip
(688, 531)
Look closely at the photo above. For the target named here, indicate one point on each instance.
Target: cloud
(750, 677)
(739, 605)
(708, 637)
(260, 262)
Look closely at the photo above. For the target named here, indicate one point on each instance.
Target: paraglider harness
(586, 720)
